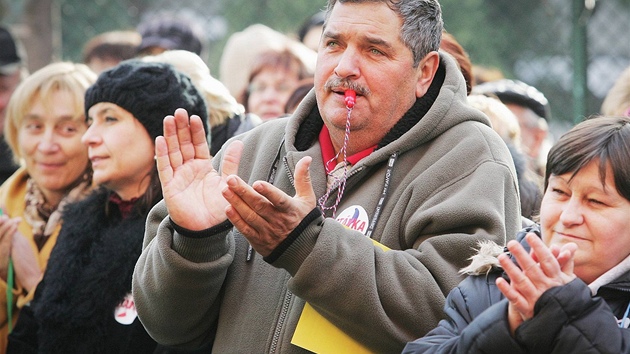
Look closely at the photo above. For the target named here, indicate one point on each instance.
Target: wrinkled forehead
(369, 4)
(363, 20)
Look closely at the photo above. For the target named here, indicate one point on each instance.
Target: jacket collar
(613, 275)
(423, 122)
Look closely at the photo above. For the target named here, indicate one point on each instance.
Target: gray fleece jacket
(451, 183)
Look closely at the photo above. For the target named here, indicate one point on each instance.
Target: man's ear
(428, 67)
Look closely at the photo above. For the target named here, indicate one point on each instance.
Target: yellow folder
(317, 334)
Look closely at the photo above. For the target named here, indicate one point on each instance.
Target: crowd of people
(364, 179)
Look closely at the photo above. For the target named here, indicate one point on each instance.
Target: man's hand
(539, 271)
(190, 186)
(265, 214)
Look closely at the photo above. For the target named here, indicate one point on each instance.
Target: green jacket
(452, 184)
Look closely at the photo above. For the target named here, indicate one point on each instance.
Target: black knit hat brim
(149, 91)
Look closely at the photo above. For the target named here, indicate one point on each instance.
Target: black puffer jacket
(567, 319)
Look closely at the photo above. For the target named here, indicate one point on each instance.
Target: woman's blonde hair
(503, 121)
(221, 104)
(63, 76)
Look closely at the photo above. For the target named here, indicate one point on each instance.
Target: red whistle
(350, 97)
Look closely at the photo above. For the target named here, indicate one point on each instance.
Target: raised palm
(190, 185)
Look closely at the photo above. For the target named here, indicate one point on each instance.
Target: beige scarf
(44, 217)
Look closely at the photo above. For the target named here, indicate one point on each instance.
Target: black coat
(567, 319)
(88, 274)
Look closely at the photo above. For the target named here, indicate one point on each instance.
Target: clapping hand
(25, 262)
(8, 227)
(264, 214)
(190, 185)
(539, 271)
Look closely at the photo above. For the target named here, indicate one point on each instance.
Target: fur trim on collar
(88, 274)
(485, 260)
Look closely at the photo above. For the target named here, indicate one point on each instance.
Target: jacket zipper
(285, 161)
(336, 188)
(288, 296)
(283, 315)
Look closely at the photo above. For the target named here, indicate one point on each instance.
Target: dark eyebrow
(378, 42)
(105, 111)
(367, 39)
(331, 35)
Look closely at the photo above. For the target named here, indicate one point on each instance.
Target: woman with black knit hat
(84, 302)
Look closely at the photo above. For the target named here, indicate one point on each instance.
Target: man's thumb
(303, 186)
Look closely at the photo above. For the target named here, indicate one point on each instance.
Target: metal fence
(572, 50)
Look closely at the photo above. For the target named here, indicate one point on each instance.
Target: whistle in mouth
(350, 98)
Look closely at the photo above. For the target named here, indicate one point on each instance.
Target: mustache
(346, 84)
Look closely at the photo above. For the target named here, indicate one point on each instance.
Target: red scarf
(125, 206)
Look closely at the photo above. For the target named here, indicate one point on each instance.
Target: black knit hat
(149, 91)
(171, 31)
(9, 56)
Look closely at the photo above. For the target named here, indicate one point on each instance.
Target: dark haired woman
(84, 302)
(571, 293)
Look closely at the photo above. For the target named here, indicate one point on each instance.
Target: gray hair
(422, 25)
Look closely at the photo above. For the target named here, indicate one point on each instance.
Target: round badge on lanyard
(125, 313)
